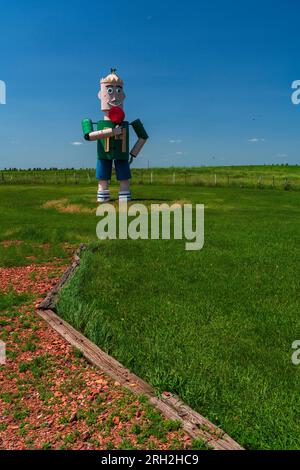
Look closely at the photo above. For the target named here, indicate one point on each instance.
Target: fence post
(215, 179)
(286, 184)
(151, 177)
(174, 178)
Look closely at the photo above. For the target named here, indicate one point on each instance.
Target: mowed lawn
(45, 232)
(214, 326)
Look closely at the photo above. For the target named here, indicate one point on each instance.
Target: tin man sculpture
(112, 136)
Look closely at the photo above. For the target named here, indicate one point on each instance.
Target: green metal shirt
(113, 150)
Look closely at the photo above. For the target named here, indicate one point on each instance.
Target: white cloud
(281, 155)
(175, 141)
(179, 153)
(254, 140)
(76, 143)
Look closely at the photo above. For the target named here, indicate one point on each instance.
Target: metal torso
(113, 148)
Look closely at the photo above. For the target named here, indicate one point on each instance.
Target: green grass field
(214, 326)
(253, 176)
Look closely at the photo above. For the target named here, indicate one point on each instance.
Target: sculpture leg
(125, 193)
(123, 176)
(103, 174)
(103, 194)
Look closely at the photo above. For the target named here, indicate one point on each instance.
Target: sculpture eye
(110, 90)
(118, 90)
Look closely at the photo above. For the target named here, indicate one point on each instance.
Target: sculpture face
(111, 95)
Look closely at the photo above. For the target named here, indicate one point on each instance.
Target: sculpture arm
(142, 138)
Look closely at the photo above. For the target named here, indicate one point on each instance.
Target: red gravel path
(50, 397)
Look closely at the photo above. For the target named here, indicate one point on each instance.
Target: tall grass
(261, 177)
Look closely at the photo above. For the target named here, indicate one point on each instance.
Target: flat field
(254, 176)
(214, 326)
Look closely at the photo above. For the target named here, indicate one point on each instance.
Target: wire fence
(156, 177)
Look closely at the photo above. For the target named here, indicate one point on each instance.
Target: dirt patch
(8, 243)
(51, 398)
(63, 206)
(115, 206)
(181, 202)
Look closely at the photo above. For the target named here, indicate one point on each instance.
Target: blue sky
(211, 81)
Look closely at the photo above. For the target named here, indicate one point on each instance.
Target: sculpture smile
(115, 103)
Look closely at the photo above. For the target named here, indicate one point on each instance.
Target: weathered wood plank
(50, 301)
(170, 406)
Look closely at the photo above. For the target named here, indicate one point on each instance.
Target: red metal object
(116, 115)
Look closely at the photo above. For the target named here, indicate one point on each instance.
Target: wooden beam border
(194, 424)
